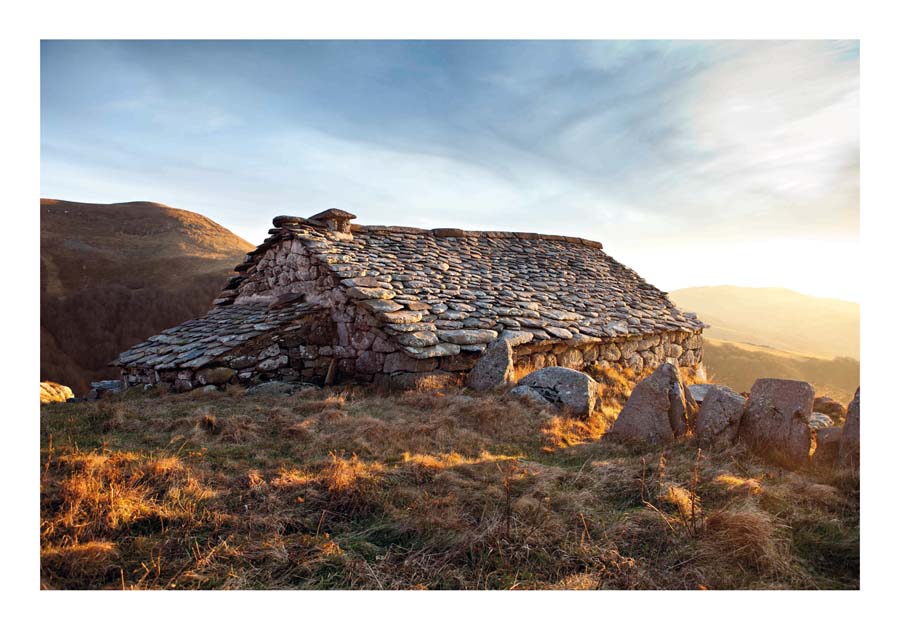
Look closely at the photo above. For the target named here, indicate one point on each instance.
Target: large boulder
(565, 388)
(775, 423)
(55, 392)
(657, 410)
(531, 395)
(849, 447)
(494, 369)
(720, 414)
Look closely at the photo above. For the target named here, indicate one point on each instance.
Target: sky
(695, 163)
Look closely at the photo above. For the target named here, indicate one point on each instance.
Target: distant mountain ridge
(777, 318)
(112, 274)
(739, 365)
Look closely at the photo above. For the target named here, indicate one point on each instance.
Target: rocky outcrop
(494, 369)
(55, 392)
(849, 446)
(657, 410)
(569, 390)
(775, 423)
(720, 414)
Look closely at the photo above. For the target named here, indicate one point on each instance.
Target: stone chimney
(334, 219)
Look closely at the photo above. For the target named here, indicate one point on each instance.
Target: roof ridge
(642, 305)
(485, 234)
(292, 223)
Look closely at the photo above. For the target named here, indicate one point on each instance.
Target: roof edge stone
(443, 233)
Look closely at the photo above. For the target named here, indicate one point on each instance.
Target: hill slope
(113, 274)
(776, 317)
(739, 365)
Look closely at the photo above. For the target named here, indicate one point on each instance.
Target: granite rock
(572, 391)
(494, 369)
(775, 423)
(657, 410)
(720, 414)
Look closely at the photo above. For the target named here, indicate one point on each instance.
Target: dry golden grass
(352, 488)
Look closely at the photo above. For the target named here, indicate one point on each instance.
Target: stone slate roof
(430, 286)
(198, 342)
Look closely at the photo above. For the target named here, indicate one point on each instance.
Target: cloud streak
(657, 145)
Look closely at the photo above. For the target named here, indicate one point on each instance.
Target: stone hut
(323, 299)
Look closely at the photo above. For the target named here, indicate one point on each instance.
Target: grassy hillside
(111, 275)
(351, 487)
(739, 365)
(777, 318)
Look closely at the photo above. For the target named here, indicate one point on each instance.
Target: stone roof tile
(567, 285)
(459, 288)
(197, 342)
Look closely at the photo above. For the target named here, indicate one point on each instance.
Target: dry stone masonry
(322, 299)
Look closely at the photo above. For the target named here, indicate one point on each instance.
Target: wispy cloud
(640, 144)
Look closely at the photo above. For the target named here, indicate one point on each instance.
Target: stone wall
(360, 347)
(302, 352)
(681, 348)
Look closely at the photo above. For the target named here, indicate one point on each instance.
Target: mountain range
(776, 318)
(775, 332)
